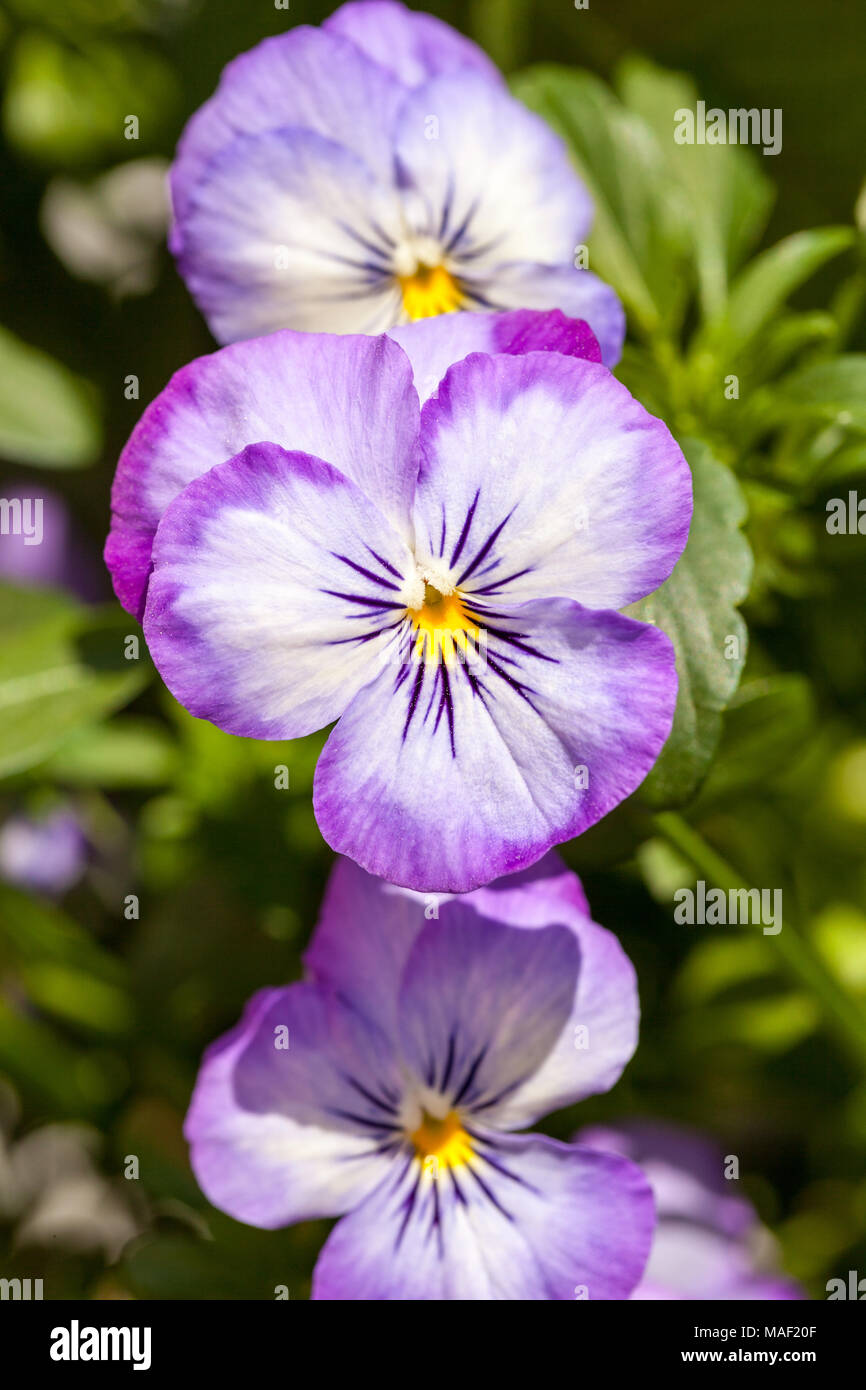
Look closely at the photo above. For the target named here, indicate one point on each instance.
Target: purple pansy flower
(43, 854)
(370, 172)
(444, 581)
(709, 1242)
(387, 1089)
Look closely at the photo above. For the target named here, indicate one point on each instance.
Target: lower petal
(442, 778)
(526, 1219)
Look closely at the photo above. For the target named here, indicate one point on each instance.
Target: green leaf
(696, 607)
(68, 104)
(761, 290)
(47, 415)
(638, 239)
(766, 729)
(126, 752)
(61, 666)
(725, 195)
(833, 391)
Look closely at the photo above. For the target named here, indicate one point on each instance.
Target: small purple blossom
(387, 1089)
(40, 546)
(374, 171)
(43, 854)
(709, 1242)
(442, 581)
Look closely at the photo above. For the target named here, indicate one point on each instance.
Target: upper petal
(267, 1124)
(526, 1219)
(492, 183)
(307, 78)
(444, 777)
(367, 929)
(410, 44)
(275, 591)
(541, 475)
(433, 345)
(481, 1004)
(348, 399)
(365, 932)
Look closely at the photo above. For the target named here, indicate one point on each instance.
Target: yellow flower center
(428, 291)
(444, 625)
(441, 1143)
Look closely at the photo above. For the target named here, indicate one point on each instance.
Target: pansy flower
(709, 1242)
(443, 581)
(389, 1089)
(373, 171)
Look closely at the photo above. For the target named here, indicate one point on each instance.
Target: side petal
(686, 1170)
(526, 204)
(481, 1004)
(578, 293)
(269, 1138)
(275, 594)
(433, 345)
(412, 45)
(306, 78)
(444, 777)
(287, 229)
(347, 399)
(541, 475)
(527, 1219)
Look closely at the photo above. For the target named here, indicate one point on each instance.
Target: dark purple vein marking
(461, 540)
(486, 547)
(368, 574)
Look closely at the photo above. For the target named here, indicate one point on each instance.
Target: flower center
(429, 290)
(444, 1141)
(443, 624)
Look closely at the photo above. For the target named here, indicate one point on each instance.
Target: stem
(843, 1015)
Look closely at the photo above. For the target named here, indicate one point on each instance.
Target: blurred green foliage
(105, 1007)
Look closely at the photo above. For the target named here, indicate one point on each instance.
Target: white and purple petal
(293, 1113)
(275, 595)
(542, 475)
(526, 1219)
(493, 183)
(442, 777)
(312, 79)
(481, 1004)
(347, 399)
(289, 228)
(367, 929)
